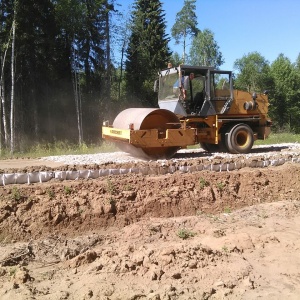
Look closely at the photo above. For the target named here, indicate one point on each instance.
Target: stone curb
(40, 177)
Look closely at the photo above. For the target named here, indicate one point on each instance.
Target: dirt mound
(70, 207)
(200, 235)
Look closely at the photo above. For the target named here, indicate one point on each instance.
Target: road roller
(197, 105)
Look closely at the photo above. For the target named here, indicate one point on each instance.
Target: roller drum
(143, 119)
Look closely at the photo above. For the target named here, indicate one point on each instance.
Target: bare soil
(199, 235)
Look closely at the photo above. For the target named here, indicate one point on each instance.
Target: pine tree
(185, 24)
(284, 97)
(61, 46)
(85, 32)
(147, 51)
(34, 38)
(6, 20)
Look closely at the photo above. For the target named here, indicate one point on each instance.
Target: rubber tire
(222, 143)
(239, 139)
(210, 147)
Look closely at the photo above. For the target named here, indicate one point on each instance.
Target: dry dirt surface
(197, 235)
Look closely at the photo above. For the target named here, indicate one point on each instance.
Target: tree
(285, 96)
(147, 50)
(3, 56)
(297, 64)
(185, 24)
(12, 94)
(295, 123)
(7, 18)
(119, 42)
(85, 32)
(35, 72)
(205, 50)
(176, 59)
(253, 72)
(61, 54)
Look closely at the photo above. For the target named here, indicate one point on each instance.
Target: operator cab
(210, 91)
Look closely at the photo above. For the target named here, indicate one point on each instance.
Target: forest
(67, 65)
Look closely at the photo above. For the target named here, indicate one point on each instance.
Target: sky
(269, 27)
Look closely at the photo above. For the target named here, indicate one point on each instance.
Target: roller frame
(151, 137)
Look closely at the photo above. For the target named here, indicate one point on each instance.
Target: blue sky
(269, 27)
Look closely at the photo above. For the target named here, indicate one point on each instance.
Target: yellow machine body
(215, 116)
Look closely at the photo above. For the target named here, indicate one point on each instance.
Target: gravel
(267, 152)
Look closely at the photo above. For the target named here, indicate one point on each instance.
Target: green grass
(111, 187)
(220, 186)
(184, 233)
(16, 194)
(67, 190)
(227, 210)
(203, 183)
(274, 138)
(61, 148)
(279, 138)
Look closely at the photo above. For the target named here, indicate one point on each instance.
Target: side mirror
(156, 86)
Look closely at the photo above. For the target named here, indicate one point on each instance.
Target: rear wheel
(239, 139)
(210, 147)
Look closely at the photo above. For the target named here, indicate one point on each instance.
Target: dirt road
(199, 235)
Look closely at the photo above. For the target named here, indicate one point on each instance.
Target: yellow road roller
(197, 105)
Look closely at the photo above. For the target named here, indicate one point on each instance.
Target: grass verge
(279, 138)
(61, 148)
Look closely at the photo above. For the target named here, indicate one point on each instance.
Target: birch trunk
(77, 106)
(77, 98)
(121, 69)
(2, 99)
(4, 118)
(12, 99)
(108, 71)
